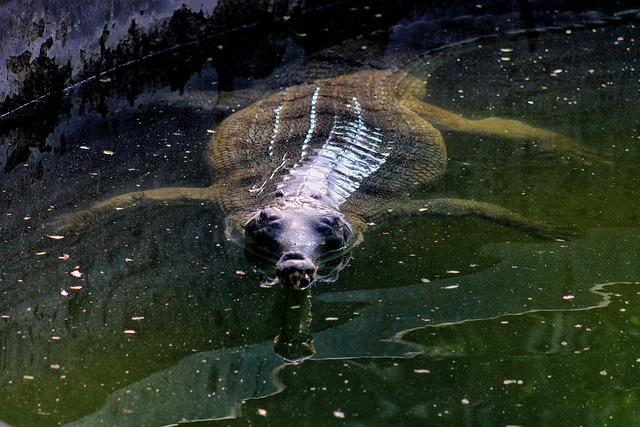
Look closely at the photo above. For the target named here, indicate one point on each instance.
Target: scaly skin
(299, 174)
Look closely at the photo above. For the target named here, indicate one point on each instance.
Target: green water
(152, 318)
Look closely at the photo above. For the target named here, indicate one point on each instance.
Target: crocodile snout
(296, 270)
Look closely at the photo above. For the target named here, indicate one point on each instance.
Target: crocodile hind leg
(173, 195)
(544, 140)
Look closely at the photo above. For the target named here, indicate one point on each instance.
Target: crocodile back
(336, 140)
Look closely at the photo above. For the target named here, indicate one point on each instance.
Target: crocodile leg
(486, 211)
(544, 140)
(174, 195)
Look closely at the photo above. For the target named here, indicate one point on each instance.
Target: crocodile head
(300, 236)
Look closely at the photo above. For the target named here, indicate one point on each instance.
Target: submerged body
(300, 174)
(314, 161)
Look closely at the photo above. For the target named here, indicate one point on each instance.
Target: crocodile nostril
(296, 270)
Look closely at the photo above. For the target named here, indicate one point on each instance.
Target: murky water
(150, 317)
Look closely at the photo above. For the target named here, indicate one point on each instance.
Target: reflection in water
(214, 383)
(154, 318)
(295, 343)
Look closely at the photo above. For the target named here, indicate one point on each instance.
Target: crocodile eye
(333, 221)
(335, 231)
(263, 217)
(263, 230)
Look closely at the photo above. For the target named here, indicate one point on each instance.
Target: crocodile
(301, 174)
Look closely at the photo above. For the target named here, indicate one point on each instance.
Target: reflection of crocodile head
(301, 235)
(295, 342)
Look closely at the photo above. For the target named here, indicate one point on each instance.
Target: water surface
(150, 317)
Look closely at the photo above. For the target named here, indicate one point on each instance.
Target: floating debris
(338, 414)
(55, 237)
(422, 371)
(262, 412)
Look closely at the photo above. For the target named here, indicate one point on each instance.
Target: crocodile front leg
(489, 212)
(449, 207)
(173, 195)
